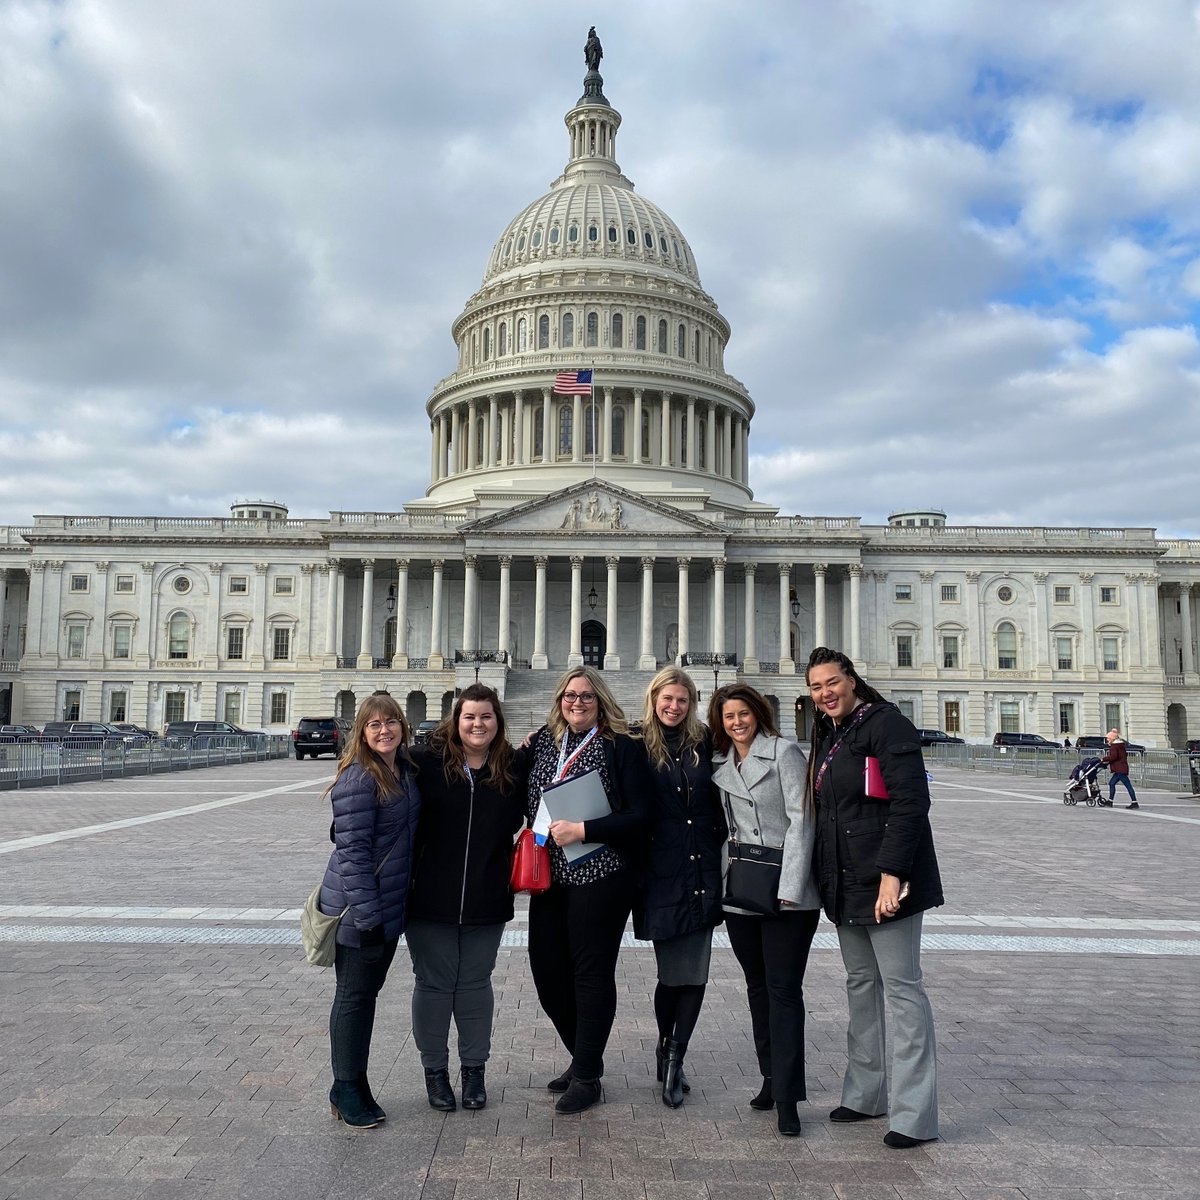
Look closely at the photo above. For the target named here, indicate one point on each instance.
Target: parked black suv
(90, 732)
(421, 734)
(186, 731)
(320, 735)
(938, 737)
(1025, 741)
(19, 733)
(1091, 741)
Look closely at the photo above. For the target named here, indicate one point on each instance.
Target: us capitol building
(614, 526)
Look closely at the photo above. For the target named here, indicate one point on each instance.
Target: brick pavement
(160, 1035)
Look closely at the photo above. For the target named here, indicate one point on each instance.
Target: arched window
(696, 341)
(631, 236)
(178, 636)
(564, 430)
(502, 339)
(543, 332)
(480, 428)
(612, 233)
(1006, 646)
(701, 435)
(640, 333)
(645, 434)
(539, 433)
(593, 329)
(573, 233)
(536, 240)
(521, 336)
(521, 244)
(593, 233)
(568, 330)
(649, 237)
(554, 236)
(618, 433)
(591, 428)
(487, 344)
(662, 337)
(681, 342)
(618, 331)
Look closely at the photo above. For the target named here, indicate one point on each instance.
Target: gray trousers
(885, 960)
(453, 967)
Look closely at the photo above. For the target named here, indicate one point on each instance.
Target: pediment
(594, 507)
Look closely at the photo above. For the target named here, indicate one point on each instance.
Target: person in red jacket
(1116, 758)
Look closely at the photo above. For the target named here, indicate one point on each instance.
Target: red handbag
(530, 865)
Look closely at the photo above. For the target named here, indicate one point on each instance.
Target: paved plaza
(162, 1037)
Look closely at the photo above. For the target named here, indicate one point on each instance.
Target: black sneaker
(1133, 805)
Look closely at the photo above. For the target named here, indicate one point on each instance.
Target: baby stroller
(1085, 786)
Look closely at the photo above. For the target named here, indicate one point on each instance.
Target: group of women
(423, 842)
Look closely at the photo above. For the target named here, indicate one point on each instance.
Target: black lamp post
(592, 597)
(390, 602)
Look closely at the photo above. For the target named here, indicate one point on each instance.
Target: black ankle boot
(371, 1102)
(560, 1083)
(474, 1095)
(788, 1119)
(660, 1058)
(582, 1094)
(673, 1084)
(438, 1089)
(347, 1103)
(764, 1100)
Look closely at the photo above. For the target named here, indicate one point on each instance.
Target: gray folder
(577, 798)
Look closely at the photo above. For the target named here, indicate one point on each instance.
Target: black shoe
(1135, 804)
(845, 1115)
(764, 1101)
(901, 1141)
(474, 1094)
(371, 1102)
(560, 1083)
(581, 1095)
(438, 1089)
(660, 1058)
(788, 1119)
(348, 1104)
(673, 1082)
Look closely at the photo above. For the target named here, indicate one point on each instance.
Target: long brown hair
(446, 739)
(379, 706)
(652, 727)
(611, 716)
(753, 699)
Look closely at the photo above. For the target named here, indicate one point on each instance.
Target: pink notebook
(873, 783)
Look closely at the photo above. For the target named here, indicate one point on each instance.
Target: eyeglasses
(377, 726)
(579, 697)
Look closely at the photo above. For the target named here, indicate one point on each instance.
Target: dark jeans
(773, 952)
(361, 973)
(1122, 779)
(574, 940)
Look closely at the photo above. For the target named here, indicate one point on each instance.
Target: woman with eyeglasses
(375, 810)
(472, 802)
(575, 927)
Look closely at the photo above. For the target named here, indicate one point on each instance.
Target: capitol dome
(592, 277)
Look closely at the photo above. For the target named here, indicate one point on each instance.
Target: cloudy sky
(958, 240)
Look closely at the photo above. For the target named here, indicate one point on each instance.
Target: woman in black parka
(375, 810)
(877, 873)
(679, 895)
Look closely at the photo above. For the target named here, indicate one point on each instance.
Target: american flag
(573, 383)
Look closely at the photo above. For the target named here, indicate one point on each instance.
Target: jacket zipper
(462, 904)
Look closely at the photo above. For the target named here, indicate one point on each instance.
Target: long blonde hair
(652, 727)
(610, 718)
(379, 706)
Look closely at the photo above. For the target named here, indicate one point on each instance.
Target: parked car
(88, 733)
(150, 735)
(187, 731)
(19, 733)
(1025, 741)
(422, 732)
(938, 737)
(320, 735)
(1090, 741)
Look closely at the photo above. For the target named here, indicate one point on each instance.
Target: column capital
(1185, 588)
(506, 560)
(719, 563)
(749, 569)
(368, 564)
(333, 565)
(1132, 576)
(305, 568)
(470, 561)
(103, 565)
(148, 567)
(926, 576)
(683, 561)
(576, 561)
(437, 564)
(648, 563)
(540, 561)
(402, 564)
(612, 561)
(1040, 577)
(261, 568)
(785, 569)
(820, 569)
(638, 393)
(972, 576)
(855, 570)
(1086, 576)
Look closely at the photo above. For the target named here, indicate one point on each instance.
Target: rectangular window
(906, 708)
(279, 708)
(903, 592)
(1112, 716)
(1066, 659)
(239, 585)
(1110, 653)
(1010, 716)
(950, 593)
(124, 585)
(285, 585)
(79, 583)
(1108, 595)
(950, 652)
(281, 644)
(1062, 595)
(235, 642)
(71, 704)
(75, 639)
(1066, 718)
(121, 641)
(952, 717)
(174, 707)
(118, 703)
(233, 708)
(904, 650)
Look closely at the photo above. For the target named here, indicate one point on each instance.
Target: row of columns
(508, 420)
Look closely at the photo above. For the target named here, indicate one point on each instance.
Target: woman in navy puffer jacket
(375, 809)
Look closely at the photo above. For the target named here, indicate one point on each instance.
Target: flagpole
(592, 406)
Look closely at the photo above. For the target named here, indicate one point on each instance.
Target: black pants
(360, 977)
(773, 952)
(574, 940)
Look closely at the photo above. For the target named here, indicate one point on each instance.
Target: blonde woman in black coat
(679, 895)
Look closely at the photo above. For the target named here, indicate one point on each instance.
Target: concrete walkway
(161, 1036)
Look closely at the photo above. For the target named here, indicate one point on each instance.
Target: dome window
(568, 330)
(487, 344)
(508, 248)
(543, 332)
(640, 333)
(593, 233)
(521, 244)
(593, 329)
(662, 337)
(681, 342)
(618, 432)
(573, 233)
(522, 336)
(649, 240)
(502, 339)
(631, 236)
(662, 243)
(536, 240)
(676, 245)
(618, 331)
(554, 236)
(612, 233)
